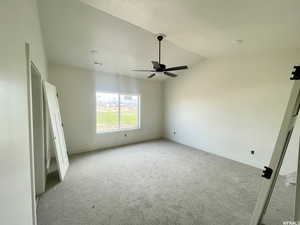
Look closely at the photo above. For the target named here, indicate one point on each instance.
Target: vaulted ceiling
(122, 31)
(72, 29)
(211, 27)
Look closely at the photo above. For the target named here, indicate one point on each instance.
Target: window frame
(119, 113)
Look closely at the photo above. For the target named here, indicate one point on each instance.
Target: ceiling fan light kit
(158, 67)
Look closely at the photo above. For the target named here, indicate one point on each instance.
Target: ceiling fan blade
(152, 75)
(155, 65)
(170, 74)
(176, 68)
(144, 70)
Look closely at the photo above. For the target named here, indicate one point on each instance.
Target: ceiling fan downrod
(159, 38)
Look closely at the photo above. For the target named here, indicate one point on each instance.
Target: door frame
(38, 129)
(30, 65)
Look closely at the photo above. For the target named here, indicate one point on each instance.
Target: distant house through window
(115, 112)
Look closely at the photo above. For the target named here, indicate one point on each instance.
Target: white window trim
(119, 114)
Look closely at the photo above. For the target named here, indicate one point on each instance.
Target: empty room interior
(147, 112)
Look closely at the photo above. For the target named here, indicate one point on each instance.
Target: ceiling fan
(158, 67)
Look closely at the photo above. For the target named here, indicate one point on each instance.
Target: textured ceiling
(71, 29)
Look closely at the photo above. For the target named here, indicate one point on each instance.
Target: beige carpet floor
(158, 183)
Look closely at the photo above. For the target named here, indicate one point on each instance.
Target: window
(107, 112)
(129, 111)
(115, 112)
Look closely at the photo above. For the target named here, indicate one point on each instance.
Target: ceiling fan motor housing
(161, 68)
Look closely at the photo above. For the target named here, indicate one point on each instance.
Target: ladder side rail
(281, 145)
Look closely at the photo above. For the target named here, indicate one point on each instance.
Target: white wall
(18, 24)
(77, 90)
(232, 106)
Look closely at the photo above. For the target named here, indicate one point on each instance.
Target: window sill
(117, 131)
